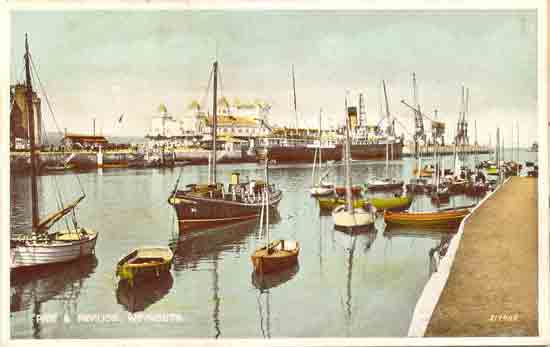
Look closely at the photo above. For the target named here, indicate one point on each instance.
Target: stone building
(164, 124)
(19, 116)
(240, 121)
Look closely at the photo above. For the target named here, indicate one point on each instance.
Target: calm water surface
(345, 286)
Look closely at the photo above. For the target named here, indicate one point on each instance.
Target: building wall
(18, 96)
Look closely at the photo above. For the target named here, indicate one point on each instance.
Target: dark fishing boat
(208, 205)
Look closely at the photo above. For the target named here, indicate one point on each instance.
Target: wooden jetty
(492, 286)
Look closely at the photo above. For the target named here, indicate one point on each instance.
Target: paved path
(493, 285)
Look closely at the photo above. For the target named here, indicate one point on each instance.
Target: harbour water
(345, 286)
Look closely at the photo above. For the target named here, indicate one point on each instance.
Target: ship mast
(34, 186)
(214, 125)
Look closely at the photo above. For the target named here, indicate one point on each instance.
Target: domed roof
(162, 108)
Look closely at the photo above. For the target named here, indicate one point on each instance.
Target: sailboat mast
(387, 105)
(34, 169)
(517, 143)
(349, 203)
(320, 138)
(475, 142)
(517, 140)
(214, 124)
(294, 97)
(512, 155)
(497, 151)
(267, 215)
(389, 126)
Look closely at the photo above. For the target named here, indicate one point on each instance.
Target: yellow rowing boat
(392, 203)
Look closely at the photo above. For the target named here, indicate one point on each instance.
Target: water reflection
(265, 322)
(192, 248)
(216, 298)
(41, 284)
(275, 279)
(30, 288)
(408, 232)
(138, 298)
(443, 236)
(438, 252)
(355, 240)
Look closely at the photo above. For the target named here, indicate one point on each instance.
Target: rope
(45, 95)
(34, 72)
(60, 202)
(80, 185)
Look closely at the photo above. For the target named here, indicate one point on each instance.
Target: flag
(120, 118)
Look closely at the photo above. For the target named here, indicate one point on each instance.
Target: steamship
(368, 142)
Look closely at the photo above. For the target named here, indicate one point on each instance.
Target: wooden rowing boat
(278, 255)
(144, 262)
(392, 203)
(447, 218)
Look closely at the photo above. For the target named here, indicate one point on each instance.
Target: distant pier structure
(19, 117)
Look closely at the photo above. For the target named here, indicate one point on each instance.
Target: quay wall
(408, 150)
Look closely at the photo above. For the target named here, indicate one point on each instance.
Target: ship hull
(204, 213)
(298, 154)
(305, 154)
(376, 151)
(31, 254)
(200, 157)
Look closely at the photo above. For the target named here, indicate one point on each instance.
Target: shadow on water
(139, 297)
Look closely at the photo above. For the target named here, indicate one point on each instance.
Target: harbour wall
(409, 150)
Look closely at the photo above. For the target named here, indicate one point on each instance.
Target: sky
(101, 64)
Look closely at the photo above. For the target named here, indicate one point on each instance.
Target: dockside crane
(461, 138)
(419, 132)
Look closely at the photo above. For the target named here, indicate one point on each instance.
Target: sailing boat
(42, 247)
(386, 183)
(275, 255)
(347, 217)
(210, 205)
(320, 188)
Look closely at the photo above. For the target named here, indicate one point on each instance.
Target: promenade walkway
(493, 283)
